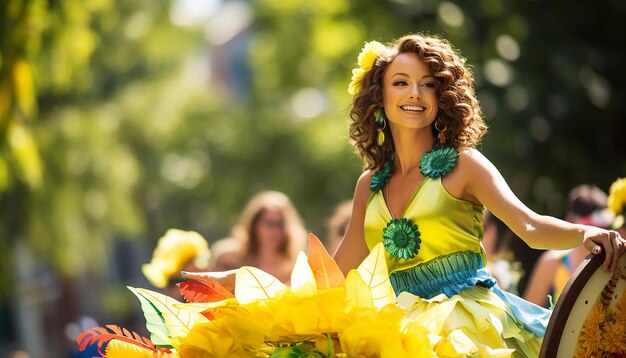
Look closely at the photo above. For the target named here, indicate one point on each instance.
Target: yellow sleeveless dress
(446, 285)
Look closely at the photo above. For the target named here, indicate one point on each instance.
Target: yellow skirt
(476, 322)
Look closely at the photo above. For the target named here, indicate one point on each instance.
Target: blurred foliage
(113, 126)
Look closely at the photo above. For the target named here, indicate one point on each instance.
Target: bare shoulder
(474, 164)
(362, 191)
(472, 158)
(472, 169)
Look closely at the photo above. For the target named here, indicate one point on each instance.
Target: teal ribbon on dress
(449, 274)
(453, 273)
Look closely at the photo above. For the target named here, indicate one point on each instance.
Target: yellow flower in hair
(367, 58)
(174, 250)
(617, 196)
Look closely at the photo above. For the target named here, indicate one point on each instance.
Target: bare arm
(486, 184)
(352, 249)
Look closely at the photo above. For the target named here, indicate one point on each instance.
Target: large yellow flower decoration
(322, 314)
(617, 196)
(366, 60)
(174, 250)
(617, 201)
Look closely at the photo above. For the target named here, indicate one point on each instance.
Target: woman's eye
(400, 83)
(429, 84)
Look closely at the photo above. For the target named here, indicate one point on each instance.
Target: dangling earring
(382, 123)
(442, 137)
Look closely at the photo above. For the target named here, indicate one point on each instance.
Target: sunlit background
(121, 119)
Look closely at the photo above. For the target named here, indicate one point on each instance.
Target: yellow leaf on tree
(326, 271)
(24, 149)
(373, 271)
(5, 102)
(252, 284)
(23, 86)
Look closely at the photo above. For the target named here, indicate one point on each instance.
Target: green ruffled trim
(401, 238)
(438, 162)
(382, 176)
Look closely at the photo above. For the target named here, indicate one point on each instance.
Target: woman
(269, 236)
(416, 122)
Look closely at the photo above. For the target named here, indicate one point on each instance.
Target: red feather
(102, 336)
(203, 289)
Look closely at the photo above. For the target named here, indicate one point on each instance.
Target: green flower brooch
(401, 238)
(381, 177)
(438, 162)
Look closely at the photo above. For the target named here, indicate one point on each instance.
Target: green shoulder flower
(382, 176)
(401, 238)
(438, 162)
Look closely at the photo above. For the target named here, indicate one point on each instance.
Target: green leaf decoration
(155, 322)
(178, 322)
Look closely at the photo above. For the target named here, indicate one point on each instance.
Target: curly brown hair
(458, 108)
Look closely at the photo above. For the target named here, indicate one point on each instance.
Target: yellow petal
(302, 279)
(252, 284)
(487, 352)
(119, 349)
(373, 271)
(326, 271)
(358, 294)
(456, 344)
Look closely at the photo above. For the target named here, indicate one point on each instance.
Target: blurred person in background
(587, 205)
(338, 224)
(269, 236)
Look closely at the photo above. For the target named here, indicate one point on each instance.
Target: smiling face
(409, 93)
